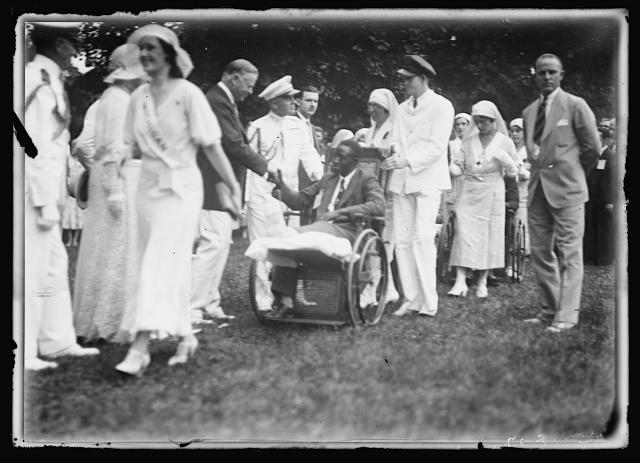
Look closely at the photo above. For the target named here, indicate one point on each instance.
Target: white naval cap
(278, 88)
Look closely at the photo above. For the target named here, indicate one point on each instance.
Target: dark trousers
(599, 240)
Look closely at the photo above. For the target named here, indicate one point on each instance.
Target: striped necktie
(540, 119)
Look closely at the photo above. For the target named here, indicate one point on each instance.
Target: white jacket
(421, 136)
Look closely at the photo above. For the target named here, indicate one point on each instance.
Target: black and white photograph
(320, 228)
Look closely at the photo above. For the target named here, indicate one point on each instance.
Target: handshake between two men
(341, 193)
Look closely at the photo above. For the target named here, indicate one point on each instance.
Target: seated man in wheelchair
(338, 196)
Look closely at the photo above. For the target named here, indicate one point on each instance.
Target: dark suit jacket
(363, 195)
(235, 145)
(602, 182)
(569, 149)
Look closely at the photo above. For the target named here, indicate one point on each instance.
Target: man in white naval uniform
(419, 142)
(283, 140)
(48, 329)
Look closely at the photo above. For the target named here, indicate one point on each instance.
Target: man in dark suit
(216, 220)
(599, 239)
(307, 103)
(562, 145)
(345, 191)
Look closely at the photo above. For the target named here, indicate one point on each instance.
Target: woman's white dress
(106, 271)
(72, 216)
(478, 241)
(523, 188)
(169, 200)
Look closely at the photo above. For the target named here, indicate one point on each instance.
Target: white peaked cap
(282, 86)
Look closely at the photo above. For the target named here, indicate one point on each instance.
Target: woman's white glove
(48, 218)
(115, 204)
(523, 173)
(455, 170)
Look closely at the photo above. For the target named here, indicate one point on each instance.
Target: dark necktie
(415, 102)
(340, 193)
(540, 119)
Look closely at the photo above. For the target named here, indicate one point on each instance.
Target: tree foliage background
(475, 59)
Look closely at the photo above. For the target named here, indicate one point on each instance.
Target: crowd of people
(172, 172)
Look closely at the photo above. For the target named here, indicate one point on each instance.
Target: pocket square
(562, 122)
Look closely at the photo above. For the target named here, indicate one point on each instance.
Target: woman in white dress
(167, 121)
(72, 216)
(382, 107)
(460, 124)
(524, 173)
(105, 272)
(486, 155)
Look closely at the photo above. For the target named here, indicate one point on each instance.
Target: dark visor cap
(414, 65)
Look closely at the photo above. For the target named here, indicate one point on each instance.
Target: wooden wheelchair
(515, 248)
(514, 253)
(330, 291)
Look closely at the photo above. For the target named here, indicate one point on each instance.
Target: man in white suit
(419, 147)
(48, 329)
(563, 145)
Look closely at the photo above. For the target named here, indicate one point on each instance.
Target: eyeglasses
(515, 129)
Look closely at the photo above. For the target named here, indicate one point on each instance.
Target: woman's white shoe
(134, 363)
(185, 349)
(482, 292)
(459, 291)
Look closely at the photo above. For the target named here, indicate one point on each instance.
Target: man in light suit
(343, 191)
(420, 138)
(563, 145)
(307, 103)
(48, 329)
(216, 221)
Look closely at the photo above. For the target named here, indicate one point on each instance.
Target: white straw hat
(183, 60)
(125, 64)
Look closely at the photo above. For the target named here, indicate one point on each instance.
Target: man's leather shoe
(558, 327)
(279, 310)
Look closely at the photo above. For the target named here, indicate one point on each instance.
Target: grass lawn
(475, 372)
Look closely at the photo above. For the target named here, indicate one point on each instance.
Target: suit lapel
(529, 126)
(555, 112)
(234, 110)
(353, 184)
(331, 187)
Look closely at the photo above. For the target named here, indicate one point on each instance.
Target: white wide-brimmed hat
(282, 86)
(124, 64)
(183, 60)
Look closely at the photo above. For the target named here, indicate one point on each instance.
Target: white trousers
(414, 224)
(207, 264)
(265, 219)
(48, 316)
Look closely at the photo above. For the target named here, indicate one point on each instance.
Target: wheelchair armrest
(366, 219)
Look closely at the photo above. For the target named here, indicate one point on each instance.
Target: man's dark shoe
(278, 311)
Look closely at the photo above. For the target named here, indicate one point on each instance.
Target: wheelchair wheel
(444, 244)
(353, 285)
(509, 246)
(519, 252)
(253, 290)
(371, 281)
